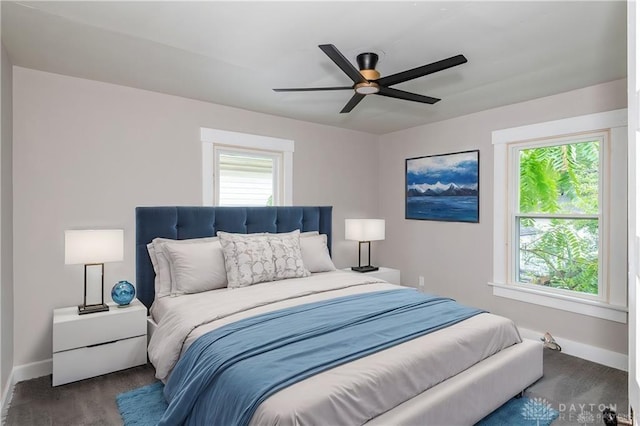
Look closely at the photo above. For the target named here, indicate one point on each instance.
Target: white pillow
(160, 262)
(287, 256)
(248, 258)
(315, 254)
(256, 258)
(195, 267)
(162, 282)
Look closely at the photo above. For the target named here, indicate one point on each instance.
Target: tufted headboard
(181, 223)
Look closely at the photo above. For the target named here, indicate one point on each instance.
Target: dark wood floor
(569, 384)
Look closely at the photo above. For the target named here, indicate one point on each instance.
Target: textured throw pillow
(162, 284)
(287, 256)
(195, 267)
(315, 254)
(256, 258)
(248, 258)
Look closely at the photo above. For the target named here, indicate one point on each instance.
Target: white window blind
(247, 178)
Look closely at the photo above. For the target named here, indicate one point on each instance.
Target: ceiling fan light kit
(367, 81)
(367, 88)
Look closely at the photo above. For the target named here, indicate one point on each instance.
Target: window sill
(559, 301)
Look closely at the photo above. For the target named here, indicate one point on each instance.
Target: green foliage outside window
(560, 252)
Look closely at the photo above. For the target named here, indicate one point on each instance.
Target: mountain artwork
(443, 187)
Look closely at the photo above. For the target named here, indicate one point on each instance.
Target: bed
(392, 386)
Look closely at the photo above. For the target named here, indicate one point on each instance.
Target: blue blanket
(228, 372)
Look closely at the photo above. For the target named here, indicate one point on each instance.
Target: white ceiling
(234, 53)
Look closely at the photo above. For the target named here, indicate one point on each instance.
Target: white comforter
(352, 393)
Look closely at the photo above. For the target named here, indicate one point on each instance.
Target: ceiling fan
(367, 81)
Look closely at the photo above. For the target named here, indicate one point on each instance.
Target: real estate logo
(538, 409)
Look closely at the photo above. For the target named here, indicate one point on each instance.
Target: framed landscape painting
(443, 187)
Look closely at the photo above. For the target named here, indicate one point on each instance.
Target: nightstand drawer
(78, 364)
(71, 331)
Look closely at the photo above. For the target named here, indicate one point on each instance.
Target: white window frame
(235, 141)
(611, 304)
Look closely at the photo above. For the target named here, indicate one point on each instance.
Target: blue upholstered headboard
(181, 223)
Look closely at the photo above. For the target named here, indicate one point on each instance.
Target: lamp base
(92, 309)
(367, 268)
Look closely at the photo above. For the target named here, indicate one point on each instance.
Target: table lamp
(364, 231)
(93, 248)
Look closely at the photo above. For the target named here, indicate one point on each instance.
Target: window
(247, 178)
(556, 214)
(240, 169)
(560, 214)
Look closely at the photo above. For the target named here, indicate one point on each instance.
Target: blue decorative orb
(123, 293)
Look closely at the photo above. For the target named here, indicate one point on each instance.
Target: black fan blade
(407, 96)
(422, 71)
(355, 100)
(313, 89)
(332, 52)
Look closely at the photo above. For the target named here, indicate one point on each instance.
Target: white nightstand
(388, 274)
(93, 344)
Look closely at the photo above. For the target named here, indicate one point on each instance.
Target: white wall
(6, 227)
(456, 258)
(87, 153)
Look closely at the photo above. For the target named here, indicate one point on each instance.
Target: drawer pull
(100, 344)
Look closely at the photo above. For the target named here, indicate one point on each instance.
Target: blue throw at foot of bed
(227, 373)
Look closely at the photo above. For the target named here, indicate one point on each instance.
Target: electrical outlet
(421, 281)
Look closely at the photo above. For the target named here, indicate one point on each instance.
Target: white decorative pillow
(287, 256)
(255, 258)
(248, 258)
(195, 267)
(315, 254)
(160, 262)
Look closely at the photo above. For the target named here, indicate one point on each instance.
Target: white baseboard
(21, 373)
(31, 371)
(584, 351)
(7, 394)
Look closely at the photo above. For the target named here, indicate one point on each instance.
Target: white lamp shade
(93, 246)
(364, 229)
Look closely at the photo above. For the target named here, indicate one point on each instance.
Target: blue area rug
(521, 412)
(144, 407)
